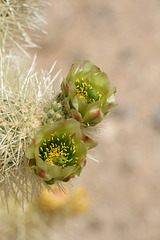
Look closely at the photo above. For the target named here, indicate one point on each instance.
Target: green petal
(88, 66)
(93, 116)
(97, 120)
(58, 173)
(68, 126)
(78, 171)
(81, 151)
(66, 172)
(76, 115)
(75, 103)
(101, 83)
(30, 152)
(65, 87)
(89, 142)
(73, 90)
(105, 108)
(73, 70)
(93, 106)
(82, 106)
(40, 135)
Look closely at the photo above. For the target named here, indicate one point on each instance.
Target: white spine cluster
(20, 22)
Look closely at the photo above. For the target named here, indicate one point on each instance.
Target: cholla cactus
(88, 92)
(20, 19)
(23, 95)
(32, 110)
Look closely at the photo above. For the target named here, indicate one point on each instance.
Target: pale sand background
(123, 38)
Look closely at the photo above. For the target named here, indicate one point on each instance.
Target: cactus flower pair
(88, 92)
(58, 151)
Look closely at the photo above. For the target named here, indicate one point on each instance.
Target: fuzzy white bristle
(20, 22)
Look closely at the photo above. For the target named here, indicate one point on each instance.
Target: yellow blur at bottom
(71, 202)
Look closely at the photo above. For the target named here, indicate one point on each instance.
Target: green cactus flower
(58, 151)
(88, 92)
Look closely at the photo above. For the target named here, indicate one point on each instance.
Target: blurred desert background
(123, 39)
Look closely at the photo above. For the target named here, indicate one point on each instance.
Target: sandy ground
(123, 38)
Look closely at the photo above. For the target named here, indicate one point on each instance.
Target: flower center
(60, 151)
(85, 90)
